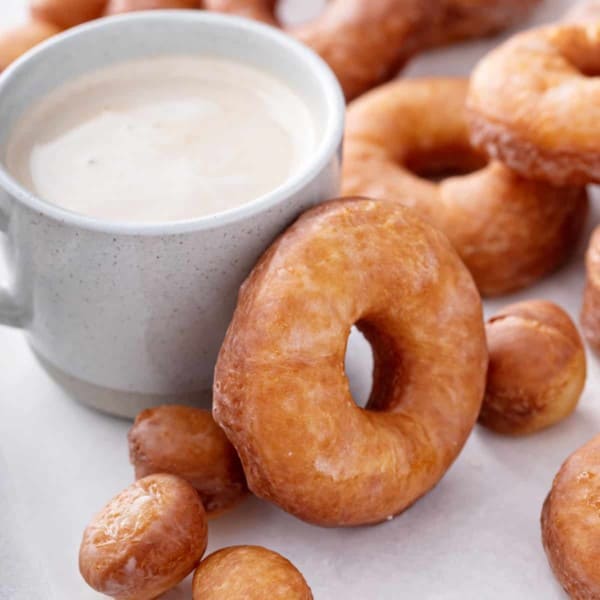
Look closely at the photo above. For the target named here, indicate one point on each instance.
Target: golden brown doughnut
(537, 368)
(534, 103)
(66, 13)
(145, 540)
(15, 42)
(509, 231)
(116, 7)
(590, 314)
(248, 573)
(280, 390)
(571, 523)
(186, 441)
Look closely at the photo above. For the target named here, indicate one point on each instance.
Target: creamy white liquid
(162, 139)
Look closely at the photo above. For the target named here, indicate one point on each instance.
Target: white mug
(132, 315)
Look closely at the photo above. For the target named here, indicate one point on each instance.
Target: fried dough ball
(248, 573)
(537, 368)
(185, 441)
(145, 540)
(571, 523)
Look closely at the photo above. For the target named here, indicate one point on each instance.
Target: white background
(476, 535)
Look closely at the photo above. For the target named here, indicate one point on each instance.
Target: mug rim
(332, 133)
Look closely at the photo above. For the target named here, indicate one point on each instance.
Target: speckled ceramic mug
(127, 316)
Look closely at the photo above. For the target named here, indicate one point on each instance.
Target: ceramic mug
(132, 315)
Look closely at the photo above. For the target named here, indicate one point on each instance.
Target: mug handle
(10, 312)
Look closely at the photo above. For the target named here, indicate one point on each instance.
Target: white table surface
(476, 535)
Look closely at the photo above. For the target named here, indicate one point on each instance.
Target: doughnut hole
(536, 371)
(249, 573)
(185, 441)
(145, 540)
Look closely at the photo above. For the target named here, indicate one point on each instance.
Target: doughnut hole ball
(249, 573)
(537, 368)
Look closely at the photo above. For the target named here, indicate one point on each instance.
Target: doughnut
(248, 573)
(571, 523)
(280, 390)
(15, 42)
(590, 313)
(146, 539)
(66, 13)
(508, 230)
(186, 441)
(537, 368)
(116, 7)
(534, 103)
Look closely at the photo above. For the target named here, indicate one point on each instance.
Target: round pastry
(16, 41)
(508, 230)
(281, 392)
(116, 7)
(534, 103)
(537, 368)
(590, 314)
(248, 573)
(66, 13)
(571, 523)
(186, 441)
(146, 539)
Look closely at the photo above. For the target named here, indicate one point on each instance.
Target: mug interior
(113, 40)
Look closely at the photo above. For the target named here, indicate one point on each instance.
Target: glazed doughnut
(248, 573)
(534, 103)
(186, 441)
(116, 7)
(66, 13)
(537, 368)
(146, 539)
(280, 390)
(509, 231)
(571, 523)
(15, 42)
(590, 314)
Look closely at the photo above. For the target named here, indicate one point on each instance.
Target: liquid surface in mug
(162, 139)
